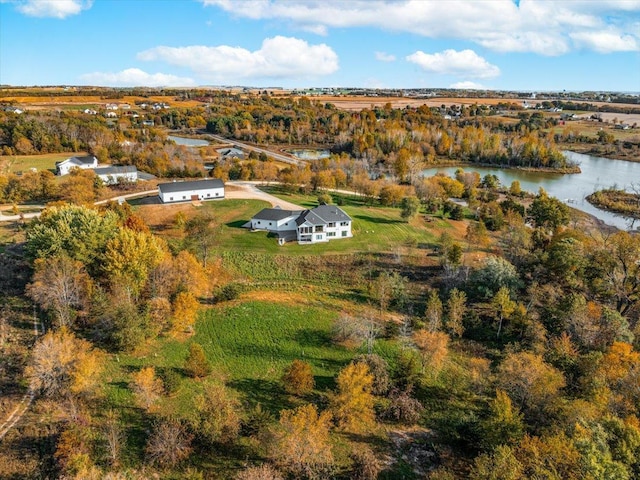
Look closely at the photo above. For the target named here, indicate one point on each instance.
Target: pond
(188, 142)
(597, 173)
(310, 154)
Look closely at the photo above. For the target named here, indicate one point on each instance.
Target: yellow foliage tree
(63, 364)
(301, 442)
(352, 404)
(130, 256)
(185, 308)
(434, 347)
(147, 388)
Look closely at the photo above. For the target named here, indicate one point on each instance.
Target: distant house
(320, 224)
(111, 106)
(230, 153)
(208, 189)
(65, 166)
(13, 110)
(148, 123)
(111, 115)
(621, 126)
(115, 174)
(89, 111)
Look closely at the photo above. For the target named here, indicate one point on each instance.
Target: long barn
(208, 189)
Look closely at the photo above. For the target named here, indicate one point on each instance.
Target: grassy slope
(22, 163)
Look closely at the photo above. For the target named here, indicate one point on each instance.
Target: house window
(270, 224)
(170, 198)
(344, 233)
(217, 193)
(306, 230)
(331, 224)
(331, 234)
(344, 224)
(318, 237)
(208, 194)
(258, 222)
(319, 228)
(184, 197)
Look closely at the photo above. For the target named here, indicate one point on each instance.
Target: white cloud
(465, 63)
(134, 77)
(278, 57)
(385, 57)
(606, 42)
(467, 85)
(543, 27)
(53, 8)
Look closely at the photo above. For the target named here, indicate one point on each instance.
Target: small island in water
(617, 201)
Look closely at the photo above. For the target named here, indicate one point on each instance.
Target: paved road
(276, 156)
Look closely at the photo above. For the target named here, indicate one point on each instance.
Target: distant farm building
(189, 191)
(65, 166)
(230, 153)
(118, 174)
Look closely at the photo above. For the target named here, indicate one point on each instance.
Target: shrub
(298, 378)
(196, 365)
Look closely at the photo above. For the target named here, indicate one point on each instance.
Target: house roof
(193, 185)
(275, 214)
(85, 160)
(323, 214)
(113, 170)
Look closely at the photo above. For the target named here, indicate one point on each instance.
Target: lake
(310, 154)
(597, 173)
(188, 142)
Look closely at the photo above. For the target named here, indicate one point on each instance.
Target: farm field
(23, 163)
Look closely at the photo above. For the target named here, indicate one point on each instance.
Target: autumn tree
(201, 234)
(379, 369)
(298, 378)
(548, 212)
(529, 381)
(169, 443)
(505, 425)
(261, 472)
(301, 443)
(62, 364)
(60, 285)
(147, 387)
(196, 364)
(433, 347)
(433, 312)
(365, 464)
(456, 309)
(216, 414)
(502, 306)
(352, 403)
(130, 256)
(185, 308)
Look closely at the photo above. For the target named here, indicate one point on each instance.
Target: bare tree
(60, 285)
(169, 444)
(114, 437)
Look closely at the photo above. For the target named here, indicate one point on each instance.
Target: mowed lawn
(22, 163)
(379, 229)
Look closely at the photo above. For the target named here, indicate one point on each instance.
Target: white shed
(208, 189)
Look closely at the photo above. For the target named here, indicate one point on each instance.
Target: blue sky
(569, 45)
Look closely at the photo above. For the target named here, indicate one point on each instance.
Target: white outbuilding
(209, 189)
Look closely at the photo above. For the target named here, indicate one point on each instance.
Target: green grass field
(22, 163)
(379, 229)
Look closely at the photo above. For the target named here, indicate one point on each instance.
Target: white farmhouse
(115, 174)
(65, 166)
(208, 189)
(320, 224)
